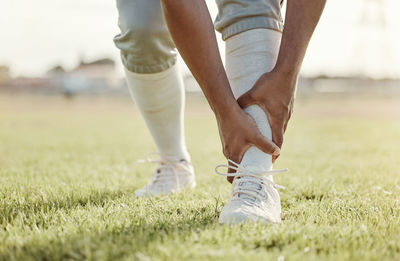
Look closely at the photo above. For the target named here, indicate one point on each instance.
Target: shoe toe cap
(234, 214)
(141, 193)
(233, 217)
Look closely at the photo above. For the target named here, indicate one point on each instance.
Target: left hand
(274, 93)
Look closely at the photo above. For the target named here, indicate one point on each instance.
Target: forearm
(191, 28)
(302, 16)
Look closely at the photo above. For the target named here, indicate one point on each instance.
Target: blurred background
(65, 47)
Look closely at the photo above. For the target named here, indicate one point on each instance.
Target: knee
(146, 47)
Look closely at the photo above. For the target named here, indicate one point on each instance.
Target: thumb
(277, 134)
(274, 158)
(266, 146)
(246, 99)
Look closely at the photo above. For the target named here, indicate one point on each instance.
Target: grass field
(68, 172)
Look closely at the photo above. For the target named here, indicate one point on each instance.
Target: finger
(286, 122)
(274, 158)
(277, 133)
(278, 138)
(224, 151)
(246, 100)
(230, 179)
(236, 157)
(266, 146)
(284, 127)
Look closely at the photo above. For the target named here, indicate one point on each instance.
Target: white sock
(249, 55)
(160, 98)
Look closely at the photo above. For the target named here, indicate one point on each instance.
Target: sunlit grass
(67, 176)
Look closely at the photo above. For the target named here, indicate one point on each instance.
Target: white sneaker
(253, 198)
(170, 176)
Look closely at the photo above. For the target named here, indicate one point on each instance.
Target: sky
(37, 35)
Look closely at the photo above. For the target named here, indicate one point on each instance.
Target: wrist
(225, 110)
(287, 78)
(287, 72)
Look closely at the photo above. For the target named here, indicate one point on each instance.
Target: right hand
(238, 131)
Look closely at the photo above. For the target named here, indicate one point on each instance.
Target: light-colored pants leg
(149, 56)
(146, 45)
(249, 55)
(147, 48)
(144, 41)
(236, 16)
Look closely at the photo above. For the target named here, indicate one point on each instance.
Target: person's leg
(249, 55)
(154, 81)
(252, 33)
(160, 98)
(149, 57)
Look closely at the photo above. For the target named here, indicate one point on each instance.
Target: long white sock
(249, 55)
(160, 98)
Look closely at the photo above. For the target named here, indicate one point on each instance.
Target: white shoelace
(257, 177)
(163, 163)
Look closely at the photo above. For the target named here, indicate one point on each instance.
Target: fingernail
(277, 151)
